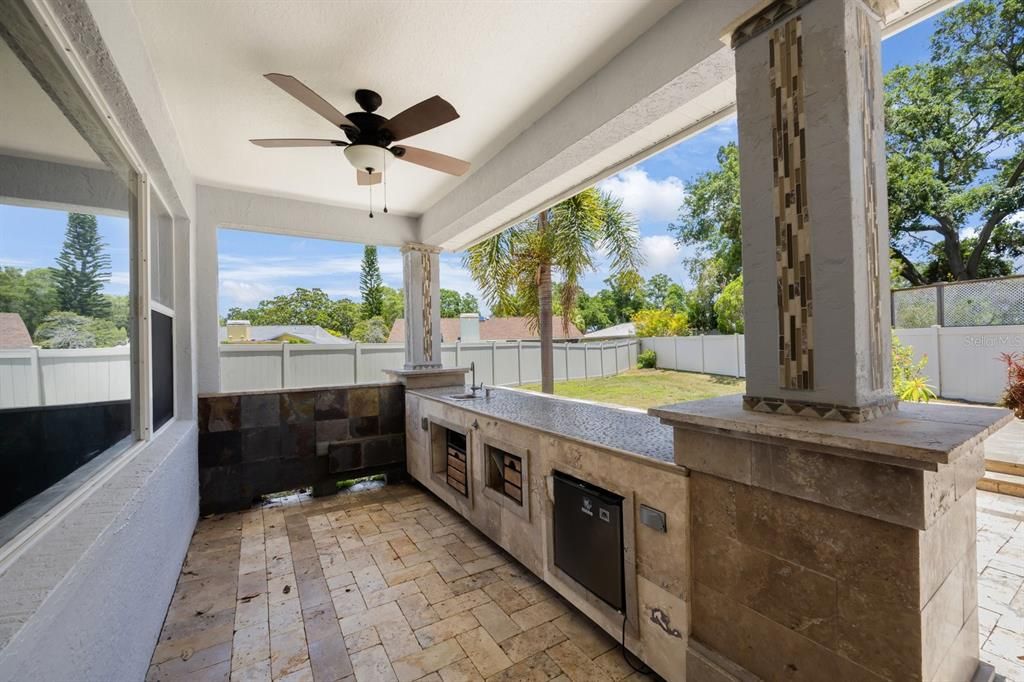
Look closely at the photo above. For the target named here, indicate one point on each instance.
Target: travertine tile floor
(1001, 583)
(388, 584)
(373, 585)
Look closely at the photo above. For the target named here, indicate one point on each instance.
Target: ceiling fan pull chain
(371, 201)
(384, 170)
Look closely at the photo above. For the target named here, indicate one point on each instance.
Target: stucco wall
(87, 599)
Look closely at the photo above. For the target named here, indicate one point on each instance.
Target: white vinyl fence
(33, 377)
(498, 363)
(963, 362)
(713, 354)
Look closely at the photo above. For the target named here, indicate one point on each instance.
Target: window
(161, 308)
(68, 324)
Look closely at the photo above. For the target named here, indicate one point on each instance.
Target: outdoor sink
(462, 396)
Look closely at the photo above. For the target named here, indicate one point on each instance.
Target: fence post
(494, 363)
(892, 307)
(940, 304)
(458, 347)
(566, 360)
(519, 361)
(702, 354)
(355, 363)
(286, 357)
(37, 377)
(736, 338)
(938, 360)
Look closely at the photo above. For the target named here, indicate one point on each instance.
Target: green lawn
(645, 388)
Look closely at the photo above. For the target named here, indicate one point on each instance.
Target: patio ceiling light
(365, 157)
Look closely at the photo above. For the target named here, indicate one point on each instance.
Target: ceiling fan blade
(364, 178)
(418, 118)
(297, 142)
(294, 87)
(441, 162)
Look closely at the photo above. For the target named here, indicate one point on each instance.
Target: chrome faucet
(473, 387)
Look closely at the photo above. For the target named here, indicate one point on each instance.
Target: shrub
(660, 323)
(373, 330)
(1013, 396)
(64, 329)
(908, 380)
(647, 360)
(729, 307)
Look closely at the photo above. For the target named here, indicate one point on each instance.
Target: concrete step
(1007, 484)
(1005, 467)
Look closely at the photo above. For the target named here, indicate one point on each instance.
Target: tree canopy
(83, 266)
(371, 284)
(955, 138)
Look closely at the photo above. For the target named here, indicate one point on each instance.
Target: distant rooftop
(311, 333)
(493, 329)
(13, 332)
(614, 332)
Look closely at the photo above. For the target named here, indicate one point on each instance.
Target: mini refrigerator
(588, 537)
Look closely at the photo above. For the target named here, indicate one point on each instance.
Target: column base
(825, 550)
(806, 408)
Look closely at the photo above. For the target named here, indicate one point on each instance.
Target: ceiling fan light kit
(365, 157)
(370, 135)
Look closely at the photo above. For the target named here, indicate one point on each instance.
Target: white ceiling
(31, 125)
(502, 64)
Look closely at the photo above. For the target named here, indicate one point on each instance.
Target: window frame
(94, 474)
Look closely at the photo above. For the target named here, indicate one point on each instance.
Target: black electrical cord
(642, 669)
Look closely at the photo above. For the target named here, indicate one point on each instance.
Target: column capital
(770, 12)
(422, 248)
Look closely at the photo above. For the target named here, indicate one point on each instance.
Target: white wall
(118, 555)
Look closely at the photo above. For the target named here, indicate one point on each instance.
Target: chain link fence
(975, 303)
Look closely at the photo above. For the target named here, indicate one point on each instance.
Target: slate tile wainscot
(260, 442)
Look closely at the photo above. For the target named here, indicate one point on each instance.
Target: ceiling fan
(370, 136)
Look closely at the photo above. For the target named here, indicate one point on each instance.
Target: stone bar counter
(494, 459)
(832, 550)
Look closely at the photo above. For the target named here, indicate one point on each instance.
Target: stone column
(837, 543)
(815, 218)
(421, 277)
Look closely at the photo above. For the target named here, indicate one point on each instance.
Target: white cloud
(648, 199)
(244, 294)
(660, 253)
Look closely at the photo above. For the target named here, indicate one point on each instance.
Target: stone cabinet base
(830, 550)
(657, 584)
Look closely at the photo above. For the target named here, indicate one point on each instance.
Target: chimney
(238, 330)
(469, 327)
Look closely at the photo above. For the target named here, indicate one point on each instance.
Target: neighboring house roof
(13, 332)
(274, 332)
(493, 329)
(614, 332)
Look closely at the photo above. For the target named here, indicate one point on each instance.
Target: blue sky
(254, 266)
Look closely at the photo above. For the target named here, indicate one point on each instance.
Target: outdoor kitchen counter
(628, 431)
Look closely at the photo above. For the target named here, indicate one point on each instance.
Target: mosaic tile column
(421, 276)
(815, 216)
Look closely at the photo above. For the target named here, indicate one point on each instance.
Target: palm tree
(514, 268)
